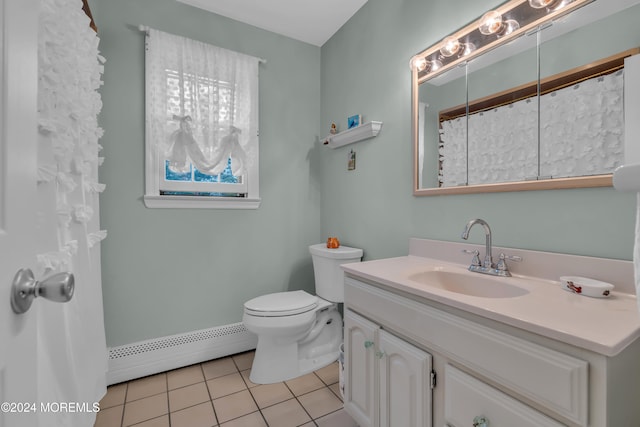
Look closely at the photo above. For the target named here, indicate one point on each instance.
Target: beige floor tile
(184, 376)
(162, 421)
(201, 415)
(309, 424)
(252, 420)
(305, 384)
(270, 394)
(145, 409)
(286, 414)
(225, 385)
(190, 395)
(148, 386)
(115, 396)
(335, 388)
(109, 417)
(329, 374)
(244, 360)
(337, 419)
(245, 375)
(234, 406)
(320, 402)
(219, 367)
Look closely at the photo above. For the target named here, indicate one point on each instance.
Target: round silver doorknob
(26, 288)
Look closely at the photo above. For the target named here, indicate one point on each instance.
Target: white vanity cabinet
(386, 379)
(393, 341)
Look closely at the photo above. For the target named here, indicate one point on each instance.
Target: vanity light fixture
(508, 21)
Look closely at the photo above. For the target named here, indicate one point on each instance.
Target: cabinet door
(359, 369)
(405, 388)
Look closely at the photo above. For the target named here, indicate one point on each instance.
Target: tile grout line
(124, 404)
(215, 413)
(249, 390)
(166, 380)
(300, 403)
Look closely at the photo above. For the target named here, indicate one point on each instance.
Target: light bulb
(509, 26)
(491, 23)
(450, 46)
(435, 65)
(419, 64)
(539, 4)
(467, 48)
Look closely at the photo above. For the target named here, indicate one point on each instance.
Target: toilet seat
(281, 304)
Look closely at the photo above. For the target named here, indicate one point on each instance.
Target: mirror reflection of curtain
(582, 128)
(581, 134)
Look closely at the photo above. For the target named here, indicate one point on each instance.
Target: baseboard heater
(156, 355)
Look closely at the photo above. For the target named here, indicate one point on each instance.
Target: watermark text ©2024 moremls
(50, 407)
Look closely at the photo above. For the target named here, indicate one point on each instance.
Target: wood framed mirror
(548, 64)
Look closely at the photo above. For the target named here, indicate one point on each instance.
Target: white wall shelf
(364, 131)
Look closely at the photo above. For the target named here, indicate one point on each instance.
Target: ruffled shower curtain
(72, 353)
(201, 104)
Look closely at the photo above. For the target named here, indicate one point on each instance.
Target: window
(201, 125)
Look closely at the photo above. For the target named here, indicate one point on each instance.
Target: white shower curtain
(72, 353)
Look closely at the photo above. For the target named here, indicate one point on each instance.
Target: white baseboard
(149, 357)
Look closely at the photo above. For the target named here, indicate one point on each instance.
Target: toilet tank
(326, 269)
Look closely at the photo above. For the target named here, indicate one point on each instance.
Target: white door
(405, 388)
(18, 181)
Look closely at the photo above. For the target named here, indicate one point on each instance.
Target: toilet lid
(281, 304)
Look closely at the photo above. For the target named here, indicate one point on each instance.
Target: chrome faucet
(487, 266)
(488, 261)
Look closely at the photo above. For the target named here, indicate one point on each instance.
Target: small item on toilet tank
(333, 243)
(585, 286)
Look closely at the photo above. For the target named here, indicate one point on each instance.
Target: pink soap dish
(585, 286)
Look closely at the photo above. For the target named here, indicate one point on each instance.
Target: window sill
(198, 202)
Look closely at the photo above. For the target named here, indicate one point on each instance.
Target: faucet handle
(502, 264)
(515, 258)
(476, 256)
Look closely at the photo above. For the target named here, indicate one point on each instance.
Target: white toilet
(298, 332)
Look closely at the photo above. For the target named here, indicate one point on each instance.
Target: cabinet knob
(379, 354)
(368, 344)
(480, 421)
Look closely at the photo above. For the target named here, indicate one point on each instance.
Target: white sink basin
(472, 284)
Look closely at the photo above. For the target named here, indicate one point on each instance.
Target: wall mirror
(542, 110)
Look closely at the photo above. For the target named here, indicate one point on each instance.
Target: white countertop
(602, 325)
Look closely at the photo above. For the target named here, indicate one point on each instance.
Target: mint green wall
(365, 70)
(167, 271)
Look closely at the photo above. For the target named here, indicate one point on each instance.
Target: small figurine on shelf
(334, 129)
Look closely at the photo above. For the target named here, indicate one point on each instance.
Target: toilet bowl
(299, 332)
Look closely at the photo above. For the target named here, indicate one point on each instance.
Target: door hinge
(433, 379)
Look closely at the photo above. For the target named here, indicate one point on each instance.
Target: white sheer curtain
(202, 105)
